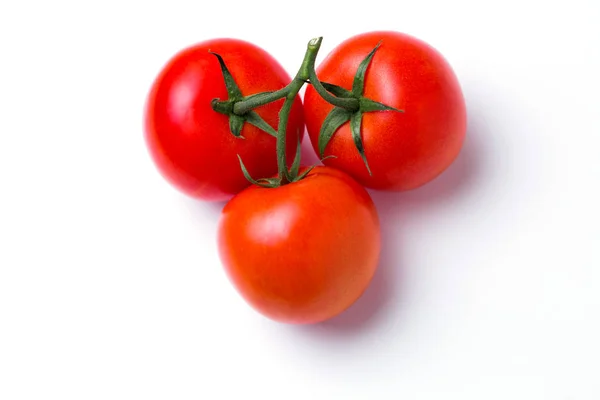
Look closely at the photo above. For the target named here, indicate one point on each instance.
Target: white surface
(110, 285)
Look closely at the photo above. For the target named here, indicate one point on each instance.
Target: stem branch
(291, 92)
(349, 103)
(306, 73)
(242, 107)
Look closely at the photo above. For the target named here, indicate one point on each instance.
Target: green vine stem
(305, 74)
(257, 100)
(348, 106)
(292, 91)
(288, 93)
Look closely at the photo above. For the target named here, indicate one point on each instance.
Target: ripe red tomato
(190, 143)
(302, 252)
(404, 150)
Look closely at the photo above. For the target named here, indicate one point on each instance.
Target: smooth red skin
(303, 252)
(190, 143)
(404, 150)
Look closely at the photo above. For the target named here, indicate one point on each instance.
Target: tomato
(302, 252)
(404, 150)
(190, 143)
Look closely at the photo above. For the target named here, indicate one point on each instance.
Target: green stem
(291, 92)
(284, 173)
(242, 107)
(306, 73)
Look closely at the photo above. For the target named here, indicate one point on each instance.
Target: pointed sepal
(233, 89)
(336, 118)
(303, 174)
(358, 85)
(266, 183)
(253, 118)
(355, 123)
(337, 90)
(236, 123)
(368, 105)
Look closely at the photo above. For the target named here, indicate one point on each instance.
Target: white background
(110, 284)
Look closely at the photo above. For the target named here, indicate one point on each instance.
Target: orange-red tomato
(404, 150)
(302, 252)
(191, 144)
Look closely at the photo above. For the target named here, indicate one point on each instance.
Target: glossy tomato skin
(404, 150)
(190, 143)
(303, 252)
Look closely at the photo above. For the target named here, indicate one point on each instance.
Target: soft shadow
(385, 293)
(203, 211)
(309, 157)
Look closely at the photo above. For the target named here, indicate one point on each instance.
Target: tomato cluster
(383, 110)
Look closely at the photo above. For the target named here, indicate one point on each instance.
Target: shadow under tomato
(203, 210)
(384, 295)
(309, 157)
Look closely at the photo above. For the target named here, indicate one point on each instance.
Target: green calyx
(227, 107)
(340, 114)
